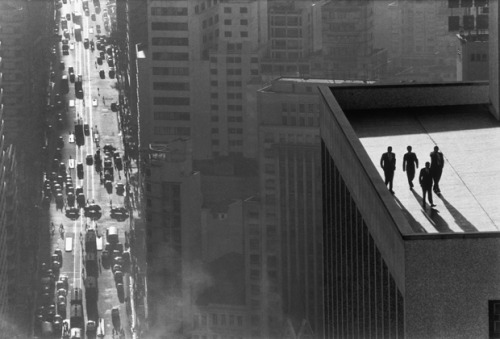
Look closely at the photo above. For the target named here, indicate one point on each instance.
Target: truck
(78, 32)
(76, 316)
(77, 18)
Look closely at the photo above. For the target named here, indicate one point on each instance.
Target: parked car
(89, 160)
(102, 74)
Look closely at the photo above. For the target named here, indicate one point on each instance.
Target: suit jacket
(425, 178)
(437, 160)
(410, 161)
(388, 163)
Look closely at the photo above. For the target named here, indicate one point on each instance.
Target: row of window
(172, 116)
(169, 11)
(286, 20)
(215, 95)
(286, 32)
(478, 57)
(228, 83)
(231, 142)
(160, 130)
(174, 101)
(303, 108)
(170, 70)
(163, 41)
(243, 22)
(229, 34)
(169, 26)
(171, 86)
(171, 56)
(229, 59)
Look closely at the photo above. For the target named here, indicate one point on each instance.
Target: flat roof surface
(468, 136)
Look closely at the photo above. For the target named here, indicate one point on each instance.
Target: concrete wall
(448, 285)
(383, 217)
(494, 57)
(418, 95)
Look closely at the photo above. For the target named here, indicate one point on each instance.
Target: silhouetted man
(437, 163)
(425, 179)
(410, 162)
(388, 164)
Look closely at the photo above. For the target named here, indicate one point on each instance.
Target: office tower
(347, 37)
(291, 198)
(173, 233)
(422, 47)
(394, 266)
(219, 43)
(294, 35)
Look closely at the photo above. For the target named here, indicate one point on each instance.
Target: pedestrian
(388, 164)
(410, 163)
(437, 164)
(425, 180)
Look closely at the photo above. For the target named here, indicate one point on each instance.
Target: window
(213, 71)
(254, 60)
(170, 56)
(228, 34)
(227, 9)
(243, 10)
(244, 34)
(171, 86)
(159, 41)
(169, 26)
(215, 130)
(214, 319)
(171, 116)
(170, 71)
(244, 22)
(214, 107)
(494, 318)
(175, 101)
(214, 118)
(169, 11)
(215, 142)
(214, 95)
(227, 22)
(214, 83)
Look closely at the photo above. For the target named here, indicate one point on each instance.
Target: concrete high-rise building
(422, 48)
(294, 35)
(348, 41)
(197, 58)
(395, 266)
(172, 205)
(291, 198)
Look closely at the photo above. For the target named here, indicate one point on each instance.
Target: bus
(68, 244)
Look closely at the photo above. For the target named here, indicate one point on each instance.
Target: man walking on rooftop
(425, 180)
(437, 163)
(410, 162)
(388, 164)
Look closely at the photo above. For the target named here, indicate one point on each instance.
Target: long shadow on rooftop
(405, 121)
(414, 224)
(460, 220)
(433, 216)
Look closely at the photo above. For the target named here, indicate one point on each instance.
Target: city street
(99, 185)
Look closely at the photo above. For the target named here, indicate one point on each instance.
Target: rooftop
(469, 138)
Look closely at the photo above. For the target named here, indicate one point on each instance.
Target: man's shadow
(414, 224)
(432, 215)
(460, 220)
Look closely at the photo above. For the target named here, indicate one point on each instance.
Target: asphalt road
(104, 122)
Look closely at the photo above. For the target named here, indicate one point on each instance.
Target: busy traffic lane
(102, 129)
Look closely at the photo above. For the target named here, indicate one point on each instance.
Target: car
(92, 17)
(79, 189)
(110, 62)
(94, 102)
(60, 142)
(68, 16)
(71, 163)
(102, 74)
(115, 318)
(99, 60)
(111, 72)
(71, 45)
(58, 252)
(79, 94)
(79, 170)
(66, 34)
(97, 28)
(89, 160)
(114, 107)
(120, 188)
(61, 65)
(91, 30)
(86, 43)
(86, 129)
